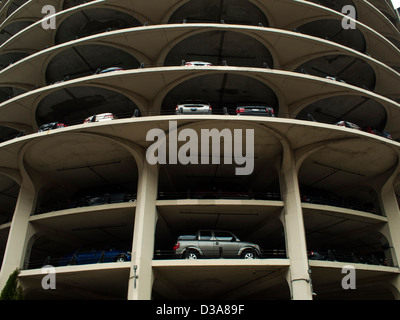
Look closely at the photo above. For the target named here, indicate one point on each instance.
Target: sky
(396, 3)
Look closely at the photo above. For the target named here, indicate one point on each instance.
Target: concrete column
(141, 274)
(292, 217)
(394, 286)
(20, 232)
(391, 210)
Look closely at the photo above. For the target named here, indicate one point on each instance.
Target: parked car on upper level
(51, 126)
(92, 27)
(348, 124)
(215, 244)
(255, 110)
(62, 80)
(378, 132)
(335, 79)
(313, 255)
(88, 255)
(110, 69)
(197, 64)
(106, 198)
(193, 107)
(100, 117)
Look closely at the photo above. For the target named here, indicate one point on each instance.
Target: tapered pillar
(20, 232)
(391, 210)
(141, 274)
(296, 248)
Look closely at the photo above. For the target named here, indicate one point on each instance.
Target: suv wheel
(191, 255)
(248, 254)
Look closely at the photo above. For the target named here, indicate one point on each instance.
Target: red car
(51, 126)
(378, 132)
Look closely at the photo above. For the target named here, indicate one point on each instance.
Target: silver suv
(215, 244)
(193, 107)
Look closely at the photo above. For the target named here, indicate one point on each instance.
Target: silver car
(198, 64)
(348, 125)
(215, 244)
(100, 117)
(193, 107)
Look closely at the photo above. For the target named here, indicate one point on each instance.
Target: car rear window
(194, 102)
(187, 237)
(254, 107)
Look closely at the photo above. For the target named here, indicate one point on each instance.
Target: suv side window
(223, 236)
(205, 235)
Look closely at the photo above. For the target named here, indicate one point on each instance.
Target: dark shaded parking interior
(219, 48)
(9, 133)
(98, 173)
(93, 21)
(14, 5)
(332, 30)
(9, 190)
(74, 105)
(222, 91)
(12, 29)
(9, 92)
(86, 60)
(336, 5)
(73, 3)
(216, 11)
(7, 59)
(347, 69)
(359, 110)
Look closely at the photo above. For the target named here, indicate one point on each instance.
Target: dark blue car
(89, 255)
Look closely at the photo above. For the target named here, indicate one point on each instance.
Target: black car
(51, 126)
(313, 255)
(255, 110)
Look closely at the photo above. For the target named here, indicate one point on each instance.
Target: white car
(100, 117)
(335, 79)
(197, 64)
(193, 107)
(348, 125)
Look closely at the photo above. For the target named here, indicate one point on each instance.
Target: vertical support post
(292, 216)
(390, 207)
(391, 210)
(394, 286)
(20, 232)
(141, 274)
